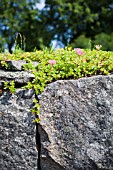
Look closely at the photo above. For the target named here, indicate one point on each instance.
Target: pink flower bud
(79, 51)
(52, 62)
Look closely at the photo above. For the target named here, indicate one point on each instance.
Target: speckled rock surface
(77, 124)
(14, 72)
(19, 77)
(17, 131)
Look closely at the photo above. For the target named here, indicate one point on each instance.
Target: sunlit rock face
(77, 124)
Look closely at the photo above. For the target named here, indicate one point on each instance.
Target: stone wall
(76, 127)
(17, 130)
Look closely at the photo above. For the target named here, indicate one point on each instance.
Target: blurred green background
(35, 24)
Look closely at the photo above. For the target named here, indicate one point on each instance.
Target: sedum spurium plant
(10, 86)
(58, 64)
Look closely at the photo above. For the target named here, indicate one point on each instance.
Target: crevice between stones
(17, 84)
(38, 146)
(38, 141)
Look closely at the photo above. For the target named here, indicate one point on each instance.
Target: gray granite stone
(19, 77)
(17, 131)
(76, 124)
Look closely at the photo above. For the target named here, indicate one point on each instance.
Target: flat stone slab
(20, 77)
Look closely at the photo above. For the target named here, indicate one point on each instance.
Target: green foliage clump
(65, 63)
(10, 86)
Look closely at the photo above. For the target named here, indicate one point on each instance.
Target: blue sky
(41, 4)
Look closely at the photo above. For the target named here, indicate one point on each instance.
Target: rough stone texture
(17, 131)
(77, 124)
(20, 77)
(15, 72)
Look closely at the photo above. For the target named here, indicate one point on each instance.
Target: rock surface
(77, 124)
(17, 131)
(15, 72)
(20, 77)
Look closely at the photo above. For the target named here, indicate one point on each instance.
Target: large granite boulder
(17, 131)
(76, 124)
